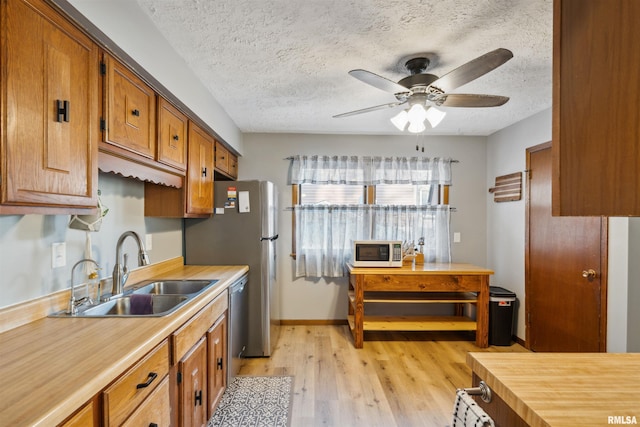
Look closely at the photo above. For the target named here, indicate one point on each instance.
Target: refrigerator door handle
(271, 239)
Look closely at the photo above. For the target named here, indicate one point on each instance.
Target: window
(339, 199)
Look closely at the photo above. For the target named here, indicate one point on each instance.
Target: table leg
(358, 315)
(482, 314)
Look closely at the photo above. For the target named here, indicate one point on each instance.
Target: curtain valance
(366, 170)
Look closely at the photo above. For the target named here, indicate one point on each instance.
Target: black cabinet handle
(204, 172)
(62, 110)
(198, 398)
(153, 425)
(219, 363)
(176, 138)
(136, 112)
(152, 376)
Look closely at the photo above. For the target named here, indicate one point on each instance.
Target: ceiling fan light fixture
(400, 120)
(417, 113)
(416, 127)
(435, 116)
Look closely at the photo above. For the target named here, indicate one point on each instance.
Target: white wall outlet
(456, 237)
(58, 255)
(148, 242)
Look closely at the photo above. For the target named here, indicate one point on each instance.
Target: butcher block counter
(51, 366)
(560, 389)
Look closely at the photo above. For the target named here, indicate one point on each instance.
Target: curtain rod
(292, 208)
(452, 161)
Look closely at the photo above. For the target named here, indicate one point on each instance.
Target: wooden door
(217, 362)
(565, 310)
(199, 172)
(193, 388)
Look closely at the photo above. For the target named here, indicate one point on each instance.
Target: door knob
(589, 274)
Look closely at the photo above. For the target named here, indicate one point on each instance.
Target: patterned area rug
(255, 401)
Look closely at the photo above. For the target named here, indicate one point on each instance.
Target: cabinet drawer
(156, 409)
(184, 338)
(123, 396)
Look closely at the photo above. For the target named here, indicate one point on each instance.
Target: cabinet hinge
(179, 377)
(103, 125)
(103, 69)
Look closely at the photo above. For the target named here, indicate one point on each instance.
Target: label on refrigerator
(243, 201)
(232, 196)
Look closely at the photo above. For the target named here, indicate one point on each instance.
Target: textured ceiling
(282, 65)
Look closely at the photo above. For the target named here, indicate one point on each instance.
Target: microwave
(377, 253)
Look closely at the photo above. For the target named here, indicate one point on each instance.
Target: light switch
(58, 255)
(456, 237)
(148, 242)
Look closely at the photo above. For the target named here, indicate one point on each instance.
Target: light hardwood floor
(392, 381)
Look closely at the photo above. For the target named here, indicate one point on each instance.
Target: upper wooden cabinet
(172, 135)
(195, 198)
(129, 109)
(226, 161)
(49, 104)
(596, 108)
(200, 172)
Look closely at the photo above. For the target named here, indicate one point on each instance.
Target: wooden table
(559, 389)
(430, 283)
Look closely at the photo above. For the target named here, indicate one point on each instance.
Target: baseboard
(313, 322)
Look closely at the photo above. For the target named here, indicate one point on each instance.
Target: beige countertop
(430, 268)
(52, 366)
(564, 389)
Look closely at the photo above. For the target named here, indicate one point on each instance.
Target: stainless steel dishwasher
(238, 325)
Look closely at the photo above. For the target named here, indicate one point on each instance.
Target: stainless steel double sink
(163, 297)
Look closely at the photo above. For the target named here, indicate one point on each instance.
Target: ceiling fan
(423, 92)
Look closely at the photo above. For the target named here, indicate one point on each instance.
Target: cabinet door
(596, 108)
(172, 135)
(50, 116)
(222, 158)
(233, 165)
(199, 172)
(193, 386)
(217, 343)
(130, 109)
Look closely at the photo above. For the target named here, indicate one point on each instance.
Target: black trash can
(501, 304)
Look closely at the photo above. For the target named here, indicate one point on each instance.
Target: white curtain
(369, 170)
(325, 233)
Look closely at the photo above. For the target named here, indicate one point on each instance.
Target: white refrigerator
(243, 230)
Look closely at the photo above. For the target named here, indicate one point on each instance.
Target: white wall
(327, 298)
(25, 242)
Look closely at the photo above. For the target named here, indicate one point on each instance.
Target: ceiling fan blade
(470, 100)
(366, 110)
(377, 81)
(472, 70)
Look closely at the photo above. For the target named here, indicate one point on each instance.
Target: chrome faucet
(121, 271)
(73, 303)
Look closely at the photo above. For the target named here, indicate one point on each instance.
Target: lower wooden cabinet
(88, 415)
(155, 410)
(198, 349)
(192, 385)
(216, 362)
(130, 391)
(179, 382)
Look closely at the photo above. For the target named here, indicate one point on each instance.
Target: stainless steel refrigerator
(243, 230)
